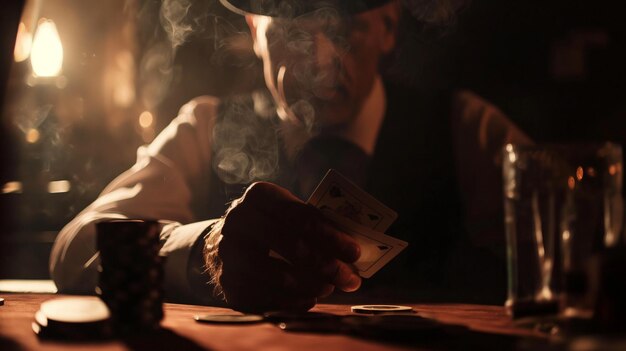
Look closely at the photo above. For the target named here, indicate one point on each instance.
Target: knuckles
(258, 192)
(242, 208)
(241, 225)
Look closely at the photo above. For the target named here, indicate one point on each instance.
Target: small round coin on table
(376, 309)
(229, 318)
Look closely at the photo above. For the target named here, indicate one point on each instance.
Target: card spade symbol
(373, 217)
(335, 191)
(383, 247)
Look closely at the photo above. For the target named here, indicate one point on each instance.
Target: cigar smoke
(249, 147)
(246, 145)
(246, 142)
(175, 21)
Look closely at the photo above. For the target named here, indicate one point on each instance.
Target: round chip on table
(41, 319)
(38, 329)
(1, 301)
(75, 310)
(40, 324)
(376, 309)
(229, 318)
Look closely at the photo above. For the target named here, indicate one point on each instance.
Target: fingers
(290, 226)
(273, 286)
(270, 217)
(343, 246)
(278, 286)
(306, 223)
(341, 275)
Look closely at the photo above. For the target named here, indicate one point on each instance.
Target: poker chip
(37, 328)
(229, 318)
(41, 319)
(376, 309)
(75, 318)
(40, 325)
(74, 310)
(1, 301)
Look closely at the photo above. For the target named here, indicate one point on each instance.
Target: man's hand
(268, 217)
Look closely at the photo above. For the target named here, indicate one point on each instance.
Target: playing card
(341, 196)
(359, 215)
(377, 249)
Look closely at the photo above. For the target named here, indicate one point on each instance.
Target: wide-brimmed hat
(293, 8)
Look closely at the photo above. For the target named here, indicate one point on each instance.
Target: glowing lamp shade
(23, 43)
(46, 55)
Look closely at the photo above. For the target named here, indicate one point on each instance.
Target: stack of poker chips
(131, 274)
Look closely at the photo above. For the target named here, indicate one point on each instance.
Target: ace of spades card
(339, 195)
(361, 216)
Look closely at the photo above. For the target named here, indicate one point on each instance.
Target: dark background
(557, 68)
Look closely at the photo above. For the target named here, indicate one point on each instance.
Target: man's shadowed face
(322, 66)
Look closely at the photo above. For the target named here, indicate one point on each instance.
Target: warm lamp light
(146, 119)
(47, 52)
(23, 43)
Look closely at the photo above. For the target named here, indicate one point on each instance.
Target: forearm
(159, 186)
(74, 259)
(185, 278)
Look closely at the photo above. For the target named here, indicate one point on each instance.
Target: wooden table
(486, 327)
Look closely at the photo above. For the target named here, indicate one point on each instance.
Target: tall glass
(562, 204)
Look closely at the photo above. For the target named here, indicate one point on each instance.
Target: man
(329, 108)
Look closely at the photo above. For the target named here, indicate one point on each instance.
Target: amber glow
(59, 186)
(32, 136)
(122, 75)
(579, 173)
(23, 43)
(47, 52)
(591, 172)
(146, 119)
(571, 182)
(12, 187)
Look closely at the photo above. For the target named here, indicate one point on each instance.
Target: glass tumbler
(563, 204)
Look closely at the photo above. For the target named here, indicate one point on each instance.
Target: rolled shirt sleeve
(157, 186)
